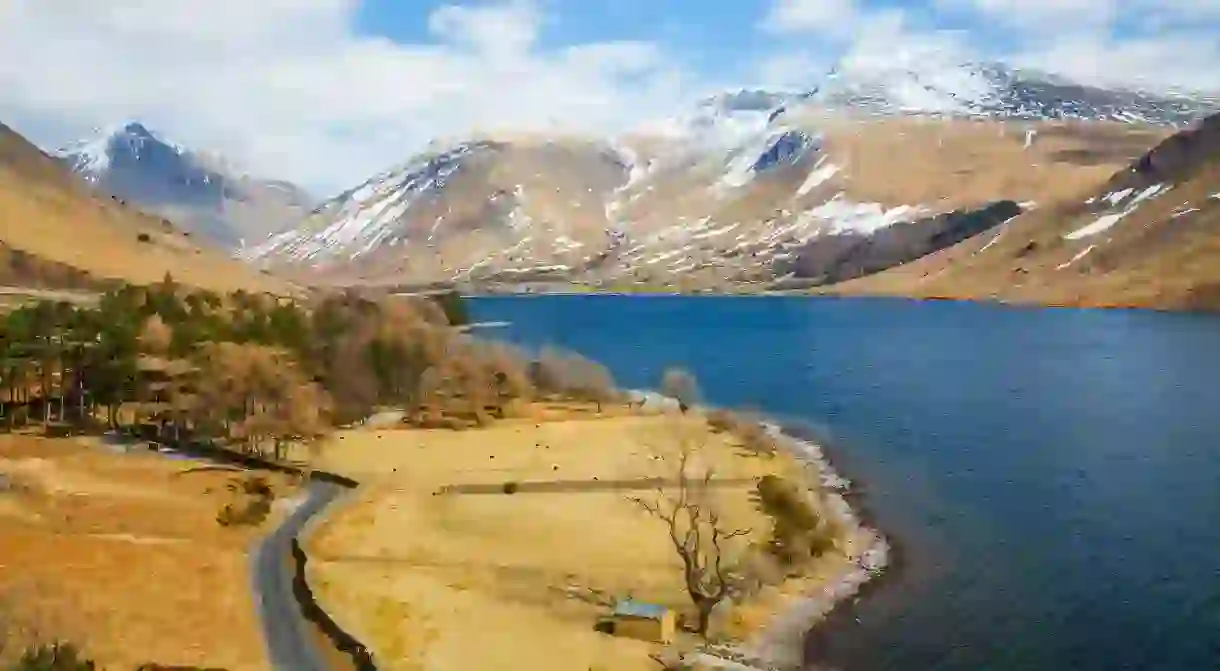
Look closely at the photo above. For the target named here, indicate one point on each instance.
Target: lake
(1050, 476)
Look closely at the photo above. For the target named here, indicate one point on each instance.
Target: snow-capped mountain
(524, 198)
(929, 85)
(735, 188)
(196, 190)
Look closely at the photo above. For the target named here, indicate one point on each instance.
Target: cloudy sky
(325, 92)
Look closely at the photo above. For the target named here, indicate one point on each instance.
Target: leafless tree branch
(697, 531)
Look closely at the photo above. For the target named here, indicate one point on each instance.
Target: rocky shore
(780, 645)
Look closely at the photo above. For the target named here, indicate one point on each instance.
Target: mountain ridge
(1146, 237)
(752, 172)
(57, 233)
(201, 191)
(876, 166)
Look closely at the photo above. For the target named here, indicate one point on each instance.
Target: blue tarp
(631, 608)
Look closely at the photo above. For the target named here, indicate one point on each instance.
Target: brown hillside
(538, 209)
(55, 233)
(1149, 237)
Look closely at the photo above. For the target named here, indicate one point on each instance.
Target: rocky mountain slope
(743, 189)
(194, 190)
(1148, 236)
(55, 232)
(928, 84)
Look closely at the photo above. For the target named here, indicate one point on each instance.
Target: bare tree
(699, 534)
(680, 384)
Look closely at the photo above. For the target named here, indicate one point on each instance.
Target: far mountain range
(865, 171)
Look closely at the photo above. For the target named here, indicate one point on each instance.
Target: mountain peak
(133, 128)
(202, 192)
(126, 140)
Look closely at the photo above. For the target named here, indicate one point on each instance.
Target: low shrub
(252, 507)
(799, 531)
(54, 657)
(747, 427)
(251, 513)
(510, 487)
(721, 420)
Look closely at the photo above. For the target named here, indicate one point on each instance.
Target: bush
(799, 532)
(510, 487)
(569, 374)
(680, 384)
(54, 657)
(721, 421)
(144, 237)
(254, 507)
(747, 427)
(257, 486)
(453, 306)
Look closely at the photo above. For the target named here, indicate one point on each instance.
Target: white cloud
(1153, 44)
(1042, 15)
(288, 88)
(786, 16)
(1153, 63)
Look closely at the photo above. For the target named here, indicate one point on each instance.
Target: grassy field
(484, 580)
(122, 555)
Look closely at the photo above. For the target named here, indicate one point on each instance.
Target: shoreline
(842, 613)
(996, 301)
(782, 643)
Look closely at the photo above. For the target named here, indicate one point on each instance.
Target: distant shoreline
(1020, 304)
(482, 325)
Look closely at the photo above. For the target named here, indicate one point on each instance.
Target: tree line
(260, 372)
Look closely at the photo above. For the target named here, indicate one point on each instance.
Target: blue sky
(706, 34)
(326, 92)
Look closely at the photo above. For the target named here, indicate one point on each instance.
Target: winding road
(290, 641)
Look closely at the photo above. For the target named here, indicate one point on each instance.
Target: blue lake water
(1052, 477)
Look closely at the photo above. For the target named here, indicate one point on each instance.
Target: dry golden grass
(947, 164)
(1148, 259)
(122, 555)
(472, 581)
(44, 212)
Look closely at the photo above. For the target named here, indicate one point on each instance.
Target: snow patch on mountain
(845, 216)
(200, 192)
(1079, 255)
(92, 157)
(937, 84)
(817, 176)
(363, 217)
(765, 152)
(1107, 221)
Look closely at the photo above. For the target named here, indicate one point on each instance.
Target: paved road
(289, 640)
